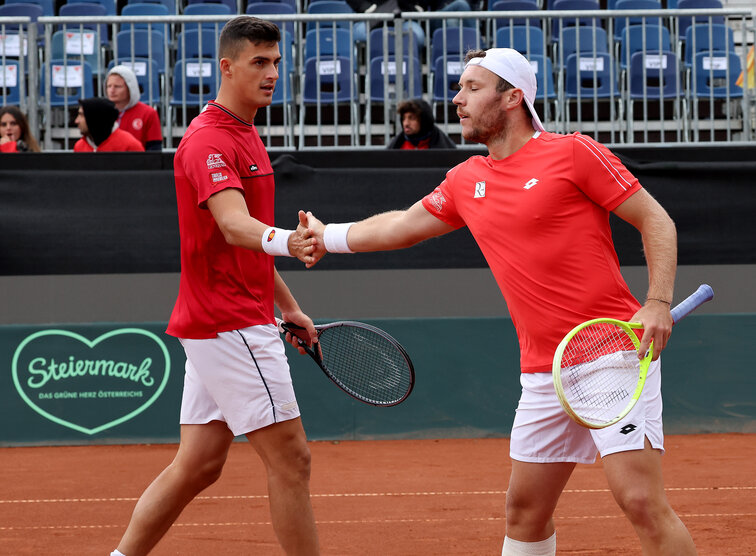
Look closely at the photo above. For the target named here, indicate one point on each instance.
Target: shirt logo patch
(530, 183)
(215, 161)
(437, 199)
(137, 123)
(480, 190)
(253, 167)
(218, 176)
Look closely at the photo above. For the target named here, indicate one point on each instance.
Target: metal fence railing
(624, 76)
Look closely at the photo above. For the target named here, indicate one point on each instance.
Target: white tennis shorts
(543, 433)
(240, 377)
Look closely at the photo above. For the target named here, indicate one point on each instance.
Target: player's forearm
(660, 247)
(382, 232)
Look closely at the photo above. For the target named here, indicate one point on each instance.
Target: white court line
(351, 522)
(366, 495)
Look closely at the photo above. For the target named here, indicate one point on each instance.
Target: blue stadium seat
(621, 22)
(654, 75)
(86, 9)
(705, 38)
(445, 79)
(69, 45)
(686, 21)
(69, 81)
(329, 81)
(145, 8)
(188, 43)
(21, 9)
(142, 44)
(329, 42)
(410, 46)
(526, 39)
(588, 75)
(195, 81)
(170, 4)
(514, 6)
(266, 9)
(109, 5)
(637, 38)
(452, 43)
(559, 24)
(48, 6)
(385, 69)
(328, 7)
(232, 4)
(10, 82)
(714, 75)
(581, 39)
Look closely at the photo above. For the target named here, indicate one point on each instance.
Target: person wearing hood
(135, 117)
(419, 129)
(97, 122)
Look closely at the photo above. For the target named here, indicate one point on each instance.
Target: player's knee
(202, 475)
(525, 512)
(643, 509)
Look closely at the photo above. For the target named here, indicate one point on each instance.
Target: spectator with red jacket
(135, 117)
(100, 133)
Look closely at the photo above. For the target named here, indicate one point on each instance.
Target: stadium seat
(581, 39)
(714, 75)
(48, 6)
(170, 4)
(267, 9)
(376, 43)
(328, 7)
(232, 4)
(703, 37)
(20, 9)
(637, 38)
(141, 44)
(445, 79)
(452, 43)
(109, 5)
(383, 72)
(195, 44)
(144, 8)
(621, 22)
(10, 82)
(514, 6)
(69, 81)
(590, 76)
(526, 39)
(558, 24)
(329, 43)
(195, 81)
(686, 21)
(87, 9)
(73, 46)
(654, 75)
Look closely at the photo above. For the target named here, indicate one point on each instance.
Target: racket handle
(703, 294)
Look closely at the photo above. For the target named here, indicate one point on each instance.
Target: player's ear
(225, 67)
(515, 98)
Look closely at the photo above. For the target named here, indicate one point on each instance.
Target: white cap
(515, 69)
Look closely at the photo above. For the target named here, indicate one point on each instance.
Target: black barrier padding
(117, 214)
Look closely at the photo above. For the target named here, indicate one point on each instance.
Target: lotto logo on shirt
(215, 161)
(437, 199)
(218, 176)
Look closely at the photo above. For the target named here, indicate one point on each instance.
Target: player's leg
(284, 451)
(635, 479)
(631, 451)
(532, 496)
(198, 464)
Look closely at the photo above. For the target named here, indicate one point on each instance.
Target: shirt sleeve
(153, 133)
(600, 174)
(440, 202)
(208, 164)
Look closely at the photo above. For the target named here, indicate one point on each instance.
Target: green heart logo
(90, 385)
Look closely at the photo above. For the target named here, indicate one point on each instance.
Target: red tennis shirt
(142, 121)
(222, 287)
(541, 219)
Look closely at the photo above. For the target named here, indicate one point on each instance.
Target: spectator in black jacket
(419, 129)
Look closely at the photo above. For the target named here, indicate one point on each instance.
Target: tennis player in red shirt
(538, 206)
(237, 379)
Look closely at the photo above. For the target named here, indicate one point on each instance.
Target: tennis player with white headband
(538, 206)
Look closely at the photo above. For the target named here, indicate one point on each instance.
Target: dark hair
(411, 106)
(238, 31)
(26, 136)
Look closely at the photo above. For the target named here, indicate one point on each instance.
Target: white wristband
(335, 238)
(275, 241)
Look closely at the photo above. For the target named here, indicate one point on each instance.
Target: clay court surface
(405, 497)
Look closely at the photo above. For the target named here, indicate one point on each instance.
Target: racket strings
(600, 370)
(366, 364)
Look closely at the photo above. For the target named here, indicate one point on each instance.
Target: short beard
(492, 128)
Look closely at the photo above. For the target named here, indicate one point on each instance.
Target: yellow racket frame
(556, 370)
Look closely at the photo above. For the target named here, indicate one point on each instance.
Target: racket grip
(703, 294)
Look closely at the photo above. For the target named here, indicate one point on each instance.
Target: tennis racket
(362, 360)
(597, 374)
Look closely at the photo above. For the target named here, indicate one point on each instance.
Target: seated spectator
(136, 117)
(97, 123)
(419, 129)
(15, 135)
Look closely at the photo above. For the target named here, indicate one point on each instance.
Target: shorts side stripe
(252, 355)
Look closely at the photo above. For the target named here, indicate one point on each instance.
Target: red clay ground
(406, 497)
